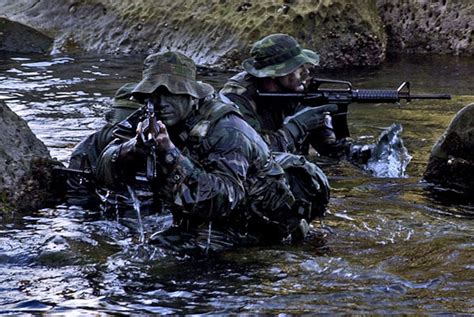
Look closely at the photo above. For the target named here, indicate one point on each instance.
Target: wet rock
(451, 163)
(56, 251)
(443, 27)
(19, 38)
(26, 180)
(211, 32)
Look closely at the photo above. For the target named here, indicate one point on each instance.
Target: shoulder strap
(209, 113)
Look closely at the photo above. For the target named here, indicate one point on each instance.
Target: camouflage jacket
(266, 119)
(224, 168)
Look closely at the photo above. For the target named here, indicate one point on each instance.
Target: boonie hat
(122, 105)
(277, 55)
(174, 71)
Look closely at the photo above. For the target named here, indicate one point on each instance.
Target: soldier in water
(208, 166)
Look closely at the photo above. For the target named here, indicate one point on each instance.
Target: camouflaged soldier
(213, 170)
(85, 155)
(279, 64)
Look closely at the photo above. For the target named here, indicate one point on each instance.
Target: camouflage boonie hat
(122, 105)
(122, 97)
(277, 55)
(174, 71)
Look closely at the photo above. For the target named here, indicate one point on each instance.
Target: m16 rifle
(148, 130)
(316, 95)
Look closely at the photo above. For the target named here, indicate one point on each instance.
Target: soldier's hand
(131, 148)
(306, 120)
(147, 131)
(162, 139)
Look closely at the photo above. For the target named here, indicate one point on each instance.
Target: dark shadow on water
(456, 203)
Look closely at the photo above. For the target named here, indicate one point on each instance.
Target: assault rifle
(148, 127)
(316, 95)
(148, 130)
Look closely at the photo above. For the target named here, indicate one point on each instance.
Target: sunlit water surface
(387, 246)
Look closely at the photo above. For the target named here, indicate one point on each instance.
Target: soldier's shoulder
(238, 84)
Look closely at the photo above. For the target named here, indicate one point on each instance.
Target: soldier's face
(296, 80)
(171, 109)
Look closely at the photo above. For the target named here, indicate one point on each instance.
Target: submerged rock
(26, 166)
(18, 38)
(451, 162)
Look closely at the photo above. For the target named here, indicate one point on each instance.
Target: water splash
(389, 157)
(137, 208)
(208, 237)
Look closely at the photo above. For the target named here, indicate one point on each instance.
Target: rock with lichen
(221, 32)
(451, 162)
(218, 32)
(441, 27)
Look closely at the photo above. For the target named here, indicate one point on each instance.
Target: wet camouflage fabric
(308, 183)
(174, 71)
(277, 55)
(225, 177)
(267, 116)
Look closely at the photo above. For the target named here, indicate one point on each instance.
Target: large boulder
(16, 37)
(211, 32)
(451, 163)
(26, 166)
(442, 27)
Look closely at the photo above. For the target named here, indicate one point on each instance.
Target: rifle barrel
(429, 96)
(73, 171)
(363, 94)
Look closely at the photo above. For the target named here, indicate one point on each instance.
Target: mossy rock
(218, 32)
(18, 38)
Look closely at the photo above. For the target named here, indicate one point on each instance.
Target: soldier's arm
(278, 140)
(118, 163)
(214, 187)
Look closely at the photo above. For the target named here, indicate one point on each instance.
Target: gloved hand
(306, 120)
(131, 149)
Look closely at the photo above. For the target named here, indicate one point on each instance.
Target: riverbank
(220, 33)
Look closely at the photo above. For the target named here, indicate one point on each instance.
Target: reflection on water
(387, 245)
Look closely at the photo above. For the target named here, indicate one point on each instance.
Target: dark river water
(387, 246)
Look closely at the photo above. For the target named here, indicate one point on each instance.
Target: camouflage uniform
(268, 121)
(222, 180)
(276, 55)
